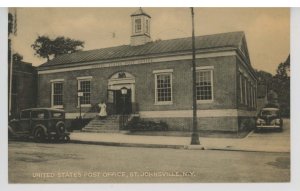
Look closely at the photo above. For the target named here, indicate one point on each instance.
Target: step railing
(123, 121)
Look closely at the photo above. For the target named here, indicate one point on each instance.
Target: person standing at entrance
(102, 113)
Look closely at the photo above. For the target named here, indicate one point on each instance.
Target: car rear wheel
(39, 135)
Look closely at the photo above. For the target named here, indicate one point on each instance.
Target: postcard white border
(295, 105)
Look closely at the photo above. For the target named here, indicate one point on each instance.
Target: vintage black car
(41, 124)
(269, 118)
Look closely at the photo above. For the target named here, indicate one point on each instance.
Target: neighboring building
(158, 77)
(24, 86)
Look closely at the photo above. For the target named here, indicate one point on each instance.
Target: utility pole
(10, 76)
(11, 35)
(195, 135)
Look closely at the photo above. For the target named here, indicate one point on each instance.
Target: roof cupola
(140, 28)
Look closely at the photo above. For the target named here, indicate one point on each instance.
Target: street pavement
(263, 141)
(30, 162)
(121, 158)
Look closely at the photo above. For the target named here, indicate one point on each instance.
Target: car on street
(41, 124)
(269, 118)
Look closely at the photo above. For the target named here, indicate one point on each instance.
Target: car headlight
(260, 121)
(277, 121)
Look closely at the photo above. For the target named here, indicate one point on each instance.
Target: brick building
(24, 86)
(158, 77)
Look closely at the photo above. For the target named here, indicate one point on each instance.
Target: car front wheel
(39, 135)
(66, 138)
(60, 129)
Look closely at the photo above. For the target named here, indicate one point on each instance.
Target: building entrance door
(123, 103)
(118, 103)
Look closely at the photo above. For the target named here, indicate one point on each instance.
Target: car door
(39, 117)
(24, 122)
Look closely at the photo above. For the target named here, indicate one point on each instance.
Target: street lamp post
(80, 95)
(123, 92)
(195, 135)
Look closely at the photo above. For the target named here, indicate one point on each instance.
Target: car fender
(40, 126)
(11, 130)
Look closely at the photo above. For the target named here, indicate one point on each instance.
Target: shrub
(78, 124)
(137, 124)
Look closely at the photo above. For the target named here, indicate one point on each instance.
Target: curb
(249, 134)
(128, 144)
(245, 150)
(185, 147)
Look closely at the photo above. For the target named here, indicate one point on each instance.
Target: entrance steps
(108, 125)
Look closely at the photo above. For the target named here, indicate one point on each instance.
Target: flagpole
(195, 135)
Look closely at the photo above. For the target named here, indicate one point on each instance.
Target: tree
(283, 70)
(11, 29)
(264, 83)
(282, 82)
(45, 47)
(10, 23)
(17, 57)
(279, 84)
(10, 32)
(264, 78)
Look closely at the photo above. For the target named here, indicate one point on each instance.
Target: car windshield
(40, 114)
(25, 114)
(269, 112)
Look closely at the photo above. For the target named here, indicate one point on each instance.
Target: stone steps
(107, 125)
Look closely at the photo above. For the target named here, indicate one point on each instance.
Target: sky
(267, 29)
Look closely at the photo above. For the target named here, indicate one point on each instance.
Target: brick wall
(23, 87)
(245, 71)
(224, 84)
(229, 124)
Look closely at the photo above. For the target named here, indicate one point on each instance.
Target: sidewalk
(251, 143)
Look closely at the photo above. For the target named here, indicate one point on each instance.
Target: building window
(255, 96)
(250, 94)
(57, 94)
(245, 93)
(204, 85)
(241, 88)
(85, 87)
(147, 26)
(138, 25)
(163, 87)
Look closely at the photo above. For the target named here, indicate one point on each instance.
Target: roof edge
(168, 54)
(203, 36)
(140, 11)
